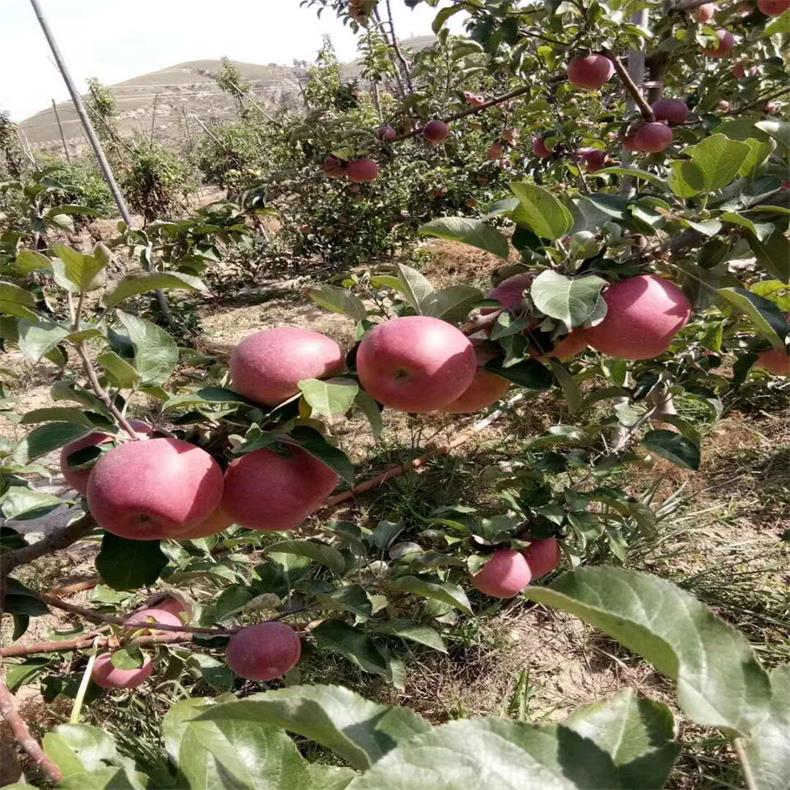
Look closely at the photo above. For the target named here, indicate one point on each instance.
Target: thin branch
(23, 737)
(82, 642)
(398, 52)
(636, 94)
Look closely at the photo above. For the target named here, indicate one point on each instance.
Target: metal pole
(90, 132)
(60, 129)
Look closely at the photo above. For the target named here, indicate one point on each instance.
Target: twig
(79, 643)
(630, 86)
(75, 587)
(398, 52)
(23, 737)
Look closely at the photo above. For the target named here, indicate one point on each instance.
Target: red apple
(218, 521)
(436, 131)
(361, 170)
(568, 347)
(643, 314)
(176, 605)
(704, 13)
(650, 138)
(267, 491)
(671, 110)
(78, 478)
(510, 292)
(147, 618)
(505, 575)
(107, 676)
(593, 158)
(496, 151)
(153, 488)
(773, 7)
(334, 167)
(266, 367)
(725, 41)
(387, 133)
(540, 148)
(486, 388)
(775, 360)
(416, 364)
(263, 652)
(542, 556)
(590, 71)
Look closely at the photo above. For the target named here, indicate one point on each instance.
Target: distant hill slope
(168, 100)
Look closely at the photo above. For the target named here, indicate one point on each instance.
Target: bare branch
(83, 642)
(636, 94)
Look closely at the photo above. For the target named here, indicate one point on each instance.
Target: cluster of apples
(265, 651)
(508, 571)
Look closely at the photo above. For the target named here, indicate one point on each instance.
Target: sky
(115, 40)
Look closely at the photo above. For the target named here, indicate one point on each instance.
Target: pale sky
(115, 40)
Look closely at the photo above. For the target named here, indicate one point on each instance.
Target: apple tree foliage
(709, 212)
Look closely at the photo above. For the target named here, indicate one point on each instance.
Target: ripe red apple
(775, 360)
(593, 158)
(271, 492)
(387, 133)
(590, 71)
(174, 604)
(671, 110)
(540, 148)
(505, 575)
(147, 618)
(436, 131)
(725, 41)
(362, 170)
(643, 314)
(218, 521)
(78, 478)
(542, 556)
(334, 167)
(773, 7)
(568, 347)
(496, 151)
(510, 292)
(267, 366)
(650, 138)
(416, 363)
(263, 652)
(153, 488)
(107, 676)
(704, 13)
(486, 388)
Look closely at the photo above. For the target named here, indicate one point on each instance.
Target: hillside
(171, 102)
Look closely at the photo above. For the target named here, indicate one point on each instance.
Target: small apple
(495, 151)
(590, 72)
(542, 556)
(775, 360)
(725, 41)
(704, 13)
(333, 167)
(773, 7)
(671, 110)
(387, 133)
(594, 159)
(107, 676)
(485, 390)
(540, 148)
(650, 138)
(265, 651)
(362, 170)
(436, 131)
(505, 575)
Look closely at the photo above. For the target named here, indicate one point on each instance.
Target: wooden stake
(60, 129)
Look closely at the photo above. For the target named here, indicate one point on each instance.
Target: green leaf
(720, 683)
(474, 232)
(329, 777)
(77, 272)
(359, 731)
(633, 172)
(529, 373)
(339, 300)
(351, 643)
(493, 753)
(437, 590)
(16, 301)
(371, 410)
(39, 338)
(778, 26)
(23, 503)
(118, 371)
(764, 315)
(412, 632)
(318, 552)
(205, 396)
(314, 443)
(541, 212)
(330, 398)
(570, 388)
(129, 564)
(155, 352)
(76, 748)
(778, 130)
(46, 438)
(674, 447)
(415, 286)
(772, 253)
(18, 675)
(135, 284)
(572, 300)
(767, 750)
(215, 673)
(20, 600)
(58, 414)
(637, 733)
(452, 304)
(29, 261)
(714, 163)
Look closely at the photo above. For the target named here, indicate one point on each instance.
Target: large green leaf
(76, 748)
(474, 232)
(678, 449)
(720, 683)
(414, 286)
(16, 301)
(29, 261)
(714, 162)
(571, 300)
(205, 396)
(766, 316)
(118, 371)
(136, 284)
(339, 300)
(76, 271)
(494, 753)
(540, 211)
(637, 733)
(318, 552)
(129, 564)
(452, 303)
(359, 731)
(36, 339)
(351, 643)
(773, 253)
(46, 438)
(412, 632)
(23, 503)
(446, 592)
(330, 398)
(155, 352)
